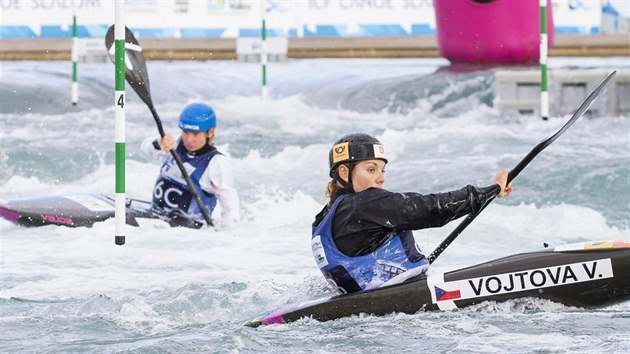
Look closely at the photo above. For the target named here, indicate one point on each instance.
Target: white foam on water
(177, 289)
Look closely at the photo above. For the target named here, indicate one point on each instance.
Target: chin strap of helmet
(346, 185)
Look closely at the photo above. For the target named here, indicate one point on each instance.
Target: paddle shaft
(156, 117)
(521, 165)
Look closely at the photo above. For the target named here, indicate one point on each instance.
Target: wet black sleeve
(363, 220)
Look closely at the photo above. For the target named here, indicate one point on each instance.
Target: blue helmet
(197, 117)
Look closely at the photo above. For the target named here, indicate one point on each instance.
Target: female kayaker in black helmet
(362, 238)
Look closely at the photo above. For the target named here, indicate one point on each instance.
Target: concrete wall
(518, 92)
(314, 47)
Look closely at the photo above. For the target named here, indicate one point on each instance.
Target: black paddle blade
(522, 164)
(547, 141)
(135, 64)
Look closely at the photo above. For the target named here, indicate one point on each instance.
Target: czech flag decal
(443, 295)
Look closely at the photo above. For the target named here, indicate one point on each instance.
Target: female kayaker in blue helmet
(208, 169)
(362, 238)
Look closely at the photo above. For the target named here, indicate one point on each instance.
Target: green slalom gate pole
(75, 59)
(263, 50)
(544, 93)
(119, 101)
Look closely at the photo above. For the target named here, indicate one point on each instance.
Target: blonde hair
(333, 184)
(210, 139)
(331, 187)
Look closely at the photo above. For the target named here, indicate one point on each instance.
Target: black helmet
(355, 147)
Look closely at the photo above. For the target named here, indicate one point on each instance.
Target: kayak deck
(73, 210)
(586, 277)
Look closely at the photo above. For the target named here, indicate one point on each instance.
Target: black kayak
(589, 275)
(72, 210)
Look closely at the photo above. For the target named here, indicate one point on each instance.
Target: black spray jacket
(363, 220)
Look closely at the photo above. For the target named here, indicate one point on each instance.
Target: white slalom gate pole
(119, 102)
(263, 49)
(75, 58)
(544, 93)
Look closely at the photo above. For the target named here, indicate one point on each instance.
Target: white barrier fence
(293, 18)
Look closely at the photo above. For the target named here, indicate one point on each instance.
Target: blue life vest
(398, 254)
(172, 192)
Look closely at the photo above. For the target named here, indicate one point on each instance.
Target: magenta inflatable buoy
(490, 31)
